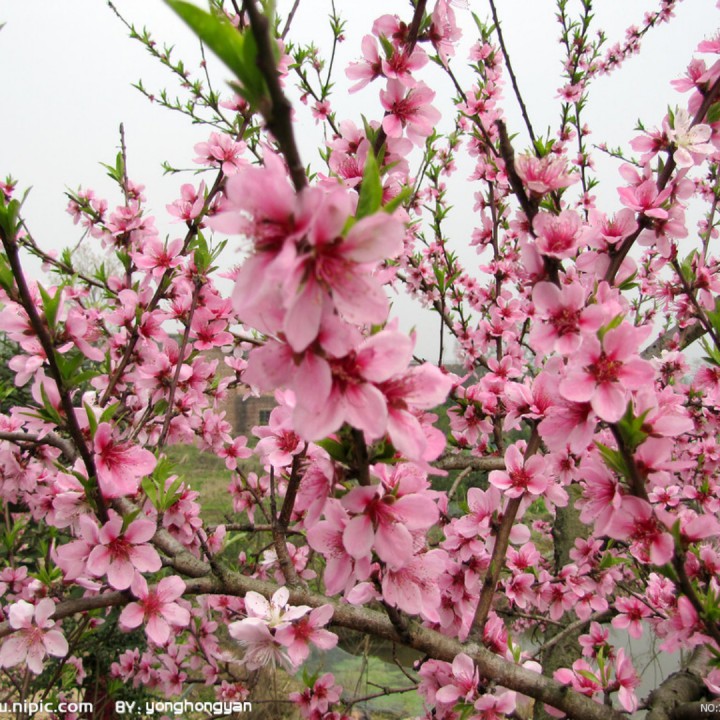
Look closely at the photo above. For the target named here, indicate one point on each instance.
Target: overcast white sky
(67, 69)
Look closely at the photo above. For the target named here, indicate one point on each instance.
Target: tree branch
(679, 689)
(277, 113)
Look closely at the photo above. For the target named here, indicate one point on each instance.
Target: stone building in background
(243, 413)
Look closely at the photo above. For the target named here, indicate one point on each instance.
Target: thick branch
(460, 462)
(48, 439)
(688, 335)
(680, 688)
(371, 622)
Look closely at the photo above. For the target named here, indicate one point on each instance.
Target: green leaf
(149, 487)
(371, 190)
(49, 410)
(590, 676)
(109, 412)
(713, 114)
(334, 449)
(613, 459)
(7, 280)
(629, 284)
(615, 322)
(92, 420)
(630, 428)
(9, 217)
(50, 304)
(713, 354)
(404, 195)
(387, 46)
(238, 50)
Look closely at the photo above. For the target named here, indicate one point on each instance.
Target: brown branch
(695, 711)
(669, 700)
(163, 284)
(507, 152)
(701, 315)
(384, 691)
(456, 484)
(247, 527)
(637, 485)
(451, 461)
(502, 541)
(678, 563)
(48, 439)
(688, 335)
(180, 363)
(370, 622)
(289, 20)
(570, 629)
(42, 334)
(280, 524)
(360, 454)
(410, 42)
(277, 113)
(414, 29)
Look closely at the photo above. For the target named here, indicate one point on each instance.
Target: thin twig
(513, 79)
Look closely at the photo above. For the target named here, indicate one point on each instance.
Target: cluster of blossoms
(275, 632)
(569, 397)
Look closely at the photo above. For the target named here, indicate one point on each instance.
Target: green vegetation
(205, 473)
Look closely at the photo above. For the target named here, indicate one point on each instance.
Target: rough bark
(676, 697)
(566, 529)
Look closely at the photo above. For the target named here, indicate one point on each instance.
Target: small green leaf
(7, 281)
(109, 412)
(9, 217)
(404, 195)
(630, 428)
(615, 322)
(50, 304)
(713, 114)
(371, 190)
(334, 449)
(92, 420)
(613, 459)
(238, 50)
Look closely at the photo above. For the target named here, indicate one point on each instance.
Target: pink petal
(418, 512)
(358, 536)
(393, 544)
(609, 401)
(302, 321)
(132, 616)
(170, 588)
(13, 651)
(366, 409)
(145, 558)
(176, 615)
(383, 355)
(406, 433)
(120, 574)
(55, 643)
(157, 630)
(140, 531)
(324, 639)
(374, 238)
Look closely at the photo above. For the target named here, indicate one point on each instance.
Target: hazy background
(67, 69)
